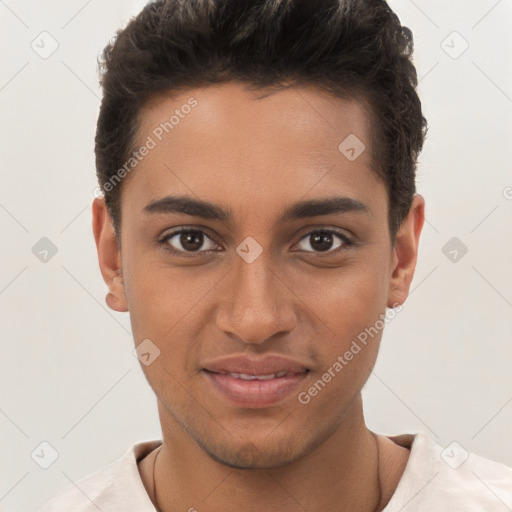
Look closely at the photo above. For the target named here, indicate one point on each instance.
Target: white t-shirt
(434, 480)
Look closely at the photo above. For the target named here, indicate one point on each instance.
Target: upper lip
(265, 365)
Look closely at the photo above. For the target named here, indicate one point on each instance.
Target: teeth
(266, 377)
(245, 376)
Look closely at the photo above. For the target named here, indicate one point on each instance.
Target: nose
(257, 305)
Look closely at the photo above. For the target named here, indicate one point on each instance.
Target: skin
(256, 156)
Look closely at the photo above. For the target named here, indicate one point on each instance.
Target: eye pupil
(321, 241)
(192, 240)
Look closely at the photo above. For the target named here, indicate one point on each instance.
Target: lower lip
(255, 393)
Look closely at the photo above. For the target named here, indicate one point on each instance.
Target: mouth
(246, 376)
(255, 391)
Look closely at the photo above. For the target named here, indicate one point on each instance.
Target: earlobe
(405, 252)
(109, 256)
(116, 298)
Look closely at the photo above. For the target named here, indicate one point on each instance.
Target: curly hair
(351, 48)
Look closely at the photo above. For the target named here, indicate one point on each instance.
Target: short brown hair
(352, 48)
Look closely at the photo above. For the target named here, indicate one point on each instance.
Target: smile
(245, 376)
(255, 391)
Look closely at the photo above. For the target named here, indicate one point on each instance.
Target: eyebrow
(300, 210)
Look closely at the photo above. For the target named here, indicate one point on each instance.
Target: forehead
(302, 114)
(229, 144)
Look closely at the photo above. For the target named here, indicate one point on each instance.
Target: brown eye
(192, 240)
(321, 241)
(189, 241)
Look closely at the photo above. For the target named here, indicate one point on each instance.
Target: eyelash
(163, 242)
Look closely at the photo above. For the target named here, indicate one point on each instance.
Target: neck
(342, 474)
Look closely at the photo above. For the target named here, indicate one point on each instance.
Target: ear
(405, 252)
(109, 256)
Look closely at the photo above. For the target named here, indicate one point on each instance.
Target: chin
(251, 456)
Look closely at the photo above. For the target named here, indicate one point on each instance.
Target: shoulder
(115, 487)
(437, 479)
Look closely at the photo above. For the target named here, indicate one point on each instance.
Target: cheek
(148, 302)
(348, 344)
(350, 303)
(161, 296)
(347, 299)
(167, 306)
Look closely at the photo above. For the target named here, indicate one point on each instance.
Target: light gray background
(68, 375)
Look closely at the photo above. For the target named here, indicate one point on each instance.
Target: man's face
(319, 281)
